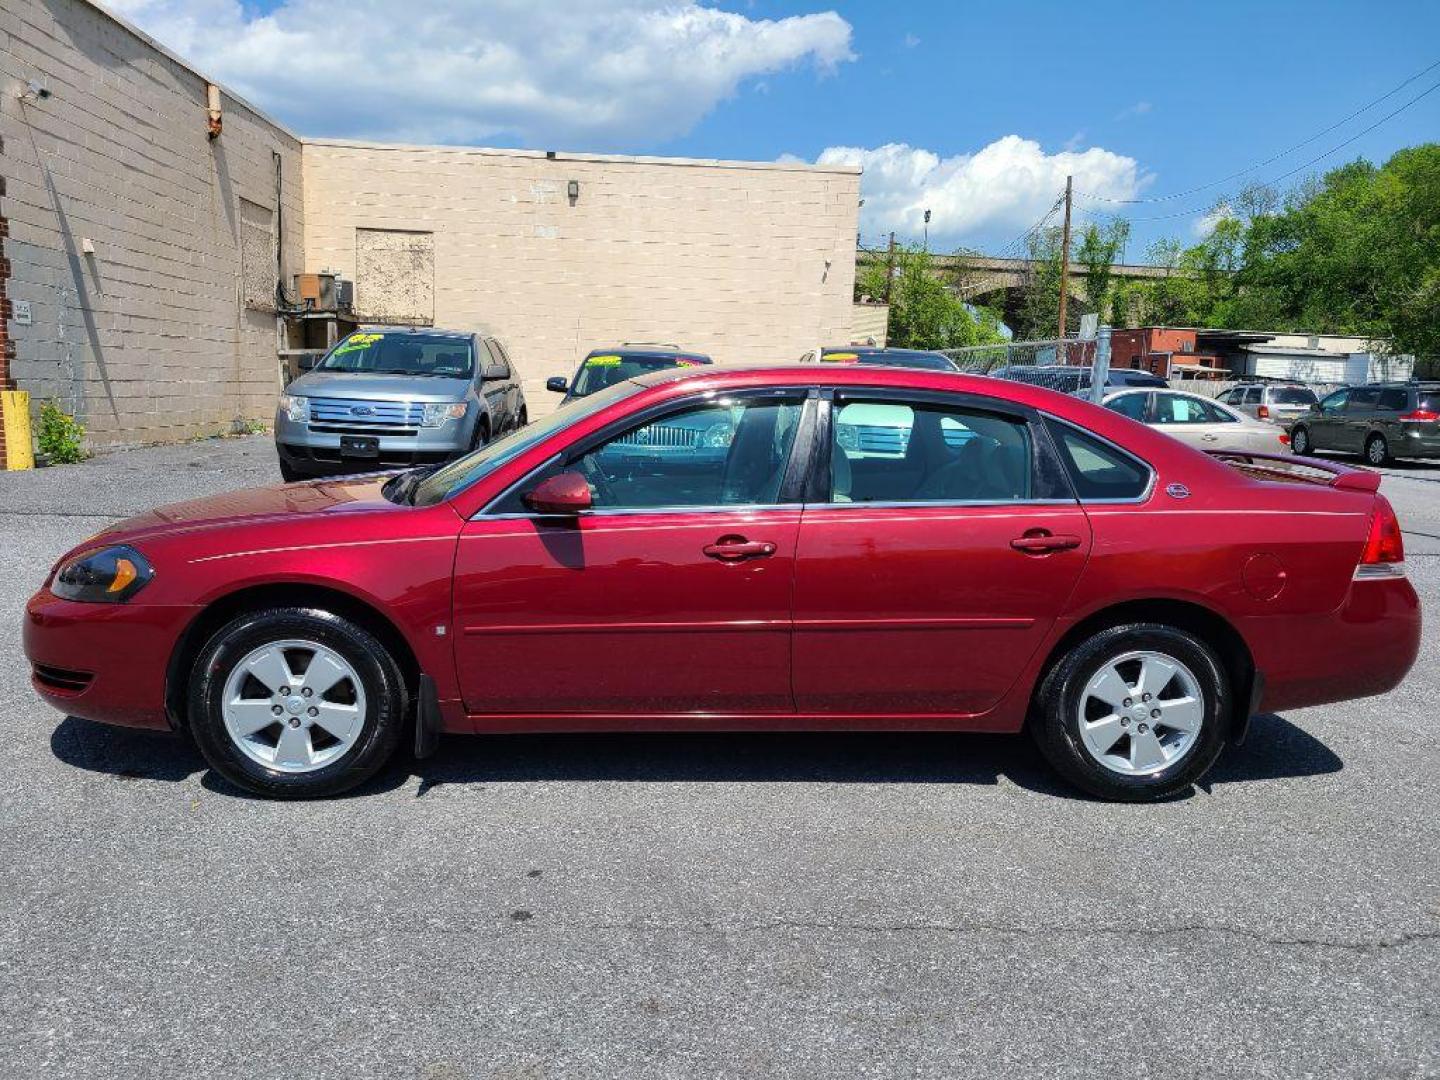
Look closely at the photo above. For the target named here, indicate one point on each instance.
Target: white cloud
(1140, 108)
(590, 73)
(1007, 184)
(911, 41)
(1204, 225)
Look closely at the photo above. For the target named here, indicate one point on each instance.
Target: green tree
(925, 313)
(1099, 250)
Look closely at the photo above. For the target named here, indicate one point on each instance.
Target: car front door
(670, 596)
(1323, 424)
(930, 564)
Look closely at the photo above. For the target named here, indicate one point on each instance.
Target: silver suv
(386, 397)
(1280, 403)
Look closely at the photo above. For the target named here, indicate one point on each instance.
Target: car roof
(417, 331)
(667, 352)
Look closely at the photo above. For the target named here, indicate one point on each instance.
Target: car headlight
(295, 408)
(437, 412)
(108, 576)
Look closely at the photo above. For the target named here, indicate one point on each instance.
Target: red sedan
(793, 548)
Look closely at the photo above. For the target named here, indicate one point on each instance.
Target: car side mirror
(556, 384)
(563, 493)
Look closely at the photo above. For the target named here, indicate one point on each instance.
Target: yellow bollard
(15, 419)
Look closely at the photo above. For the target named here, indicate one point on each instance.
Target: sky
(973, 109)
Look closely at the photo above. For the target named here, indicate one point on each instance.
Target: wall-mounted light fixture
(573, 190)
(214, 121)
(34, 90)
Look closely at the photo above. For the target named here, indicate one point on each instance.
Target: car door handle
(736, 548)
(1209, 436)
(1042, 543)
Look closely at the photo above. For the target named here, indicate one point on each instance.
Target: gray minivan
(1380, 421)
(385, 397)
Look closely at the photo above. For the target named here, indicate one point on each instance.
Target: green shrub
(61, 436)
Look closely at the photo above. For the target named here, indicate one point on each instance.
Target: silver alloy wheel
(1375, 450)
(294, 706)
(1141, 713)
(1300, 441)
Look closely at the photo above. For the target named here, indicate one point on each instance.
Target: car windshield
(1293, 395)
(449, 480)
(607, 369)
(381, 352)
(927, 360)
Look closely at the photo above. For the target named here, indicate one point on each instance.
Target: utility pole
(1065, 265)
(889, 267)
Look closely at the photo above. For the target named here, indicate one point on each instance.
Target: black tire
(386, 699)
(1300, 441)
(482, 435)
(1055, 717)
(1377, 450)
(522, 420)
(288, 473)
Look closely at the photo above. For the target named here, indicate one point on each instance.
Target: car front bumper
(103, 662)
(325, 452)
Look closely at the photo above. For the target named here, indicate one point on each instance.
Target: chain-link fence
(1066, 365)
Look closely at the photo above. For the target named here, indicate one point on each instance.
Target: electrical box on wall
(316, 291)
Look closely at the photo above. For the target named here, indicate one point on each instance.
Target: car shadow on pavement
(1275, 749)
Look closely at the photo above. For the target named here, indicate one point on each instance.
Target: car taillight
(1384, 554)
(1284, 440)
(1263, 412)
(1420, 416)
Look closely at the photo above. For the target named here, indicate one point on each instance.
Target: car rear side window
(1098, 470)
(1364, 399)
(1393, 399)
(1131, 405)
(890, 451)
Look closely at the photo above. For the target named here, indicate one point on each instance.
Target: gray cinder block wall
(145, 250)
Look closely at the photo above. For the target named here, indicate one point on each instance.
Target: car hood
(278, 504)
(358, 386)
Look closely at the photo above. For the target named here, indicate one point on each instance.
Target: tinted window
(1292, 395)
(600, 370)
(1394, 400)
(1131, 405)
(1252, 396)
(1333, 403)
(1097, 469)
(401, 353)
(731, 452)
(927, 360)
(1364, 399)
(1429, 401)
(885, 451)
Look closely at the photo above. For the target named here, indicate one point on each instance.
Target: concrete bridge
(977, 278)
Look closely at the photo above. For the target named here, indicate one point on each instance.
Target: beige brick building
(144, 254)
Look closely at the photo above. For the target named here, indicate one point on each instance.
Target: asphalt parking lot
(806, 906)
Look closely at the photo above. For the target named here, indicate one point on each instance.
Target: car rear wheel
(1300, 441)
(296, 703)
(1133, 713)
(1377, 450)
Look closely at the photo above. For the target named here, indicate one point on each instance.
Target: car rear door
(925, 588)
(670, 596)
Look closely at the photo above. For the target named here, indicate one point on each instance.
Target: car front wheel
(296, 703)
(1133, 713)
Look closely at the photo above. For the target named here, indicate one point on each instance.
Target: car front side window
(730, 452)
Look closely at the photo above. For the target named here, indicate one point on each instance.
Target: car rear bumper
(1365, 647)
(103, 662)
(1414, 444)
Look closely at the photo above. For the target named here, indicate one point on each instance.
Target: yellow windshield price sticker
(839, 357)
(357, 341)
(603, 361)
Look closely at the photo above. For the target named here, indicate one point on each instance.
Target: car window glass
(401, 353)
(730, 452)
(1395, 400)
(1429, 401)
(1363, 399)
(885, 451)
(1253, 395)
(1098, 470)
(1335, 402)
(1174, 409)
(1131, 405)
(1292, 395)
(498, 368)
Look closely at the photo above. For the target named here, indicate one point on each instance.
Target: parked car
(1280, 403)
(1128, 599)
(384, 397)
(1073, 378)
(1199, 421)
(602, 368)
(885, 357)
(1380, 421)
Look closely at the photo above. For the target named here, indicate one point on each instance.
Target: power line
(1288, 151)
(1285, 175)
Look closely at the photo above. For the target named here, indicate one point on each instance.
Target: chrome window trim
(640, 419)
(1144, 496)
(743, 508)
(913, 504)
